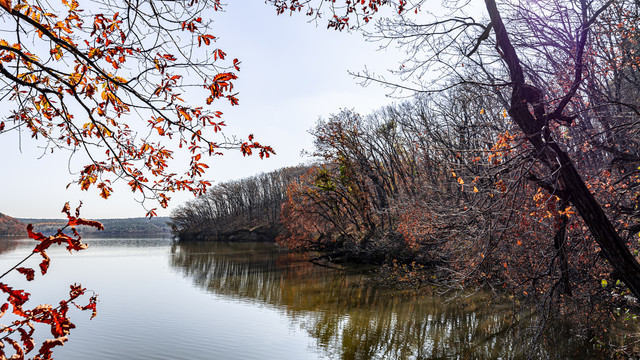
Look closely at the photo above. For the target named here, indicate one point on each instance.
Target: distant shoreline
(113, 227)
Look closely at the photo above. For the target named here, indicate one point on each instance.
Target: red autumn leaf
(4, 308)
(28, 272)
(19, 294)
(75, 244)
(245, 149)
(232, 99)
(222, 77)
(66, 209)
(169, 57)
(60, 323)
(19, 355)
(47, 345)
(44, 265)
(80, 221)
(266, 151)
(42, 314)
(76, 291)
(27, 339)
(35, 236)
(16, 298)
(6, 4)
(218, 54)
(91, 306)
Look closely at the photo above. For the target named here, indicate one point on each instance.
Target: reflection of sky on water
(147, 311)
(159, 300)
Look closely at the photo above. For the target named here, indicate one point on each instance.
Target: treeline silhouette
(247, 209)
(126, 227)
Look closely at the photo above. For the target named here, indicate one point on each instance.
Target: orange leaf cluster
(91, 68)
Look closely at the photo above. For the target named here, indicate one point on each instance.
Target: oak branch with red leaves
(19, 334)
(121, 83)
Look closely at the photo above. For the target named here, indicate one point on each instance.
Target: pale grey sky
(292, 72)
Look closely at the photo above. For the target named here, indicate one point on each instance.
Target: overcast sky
(292, 72)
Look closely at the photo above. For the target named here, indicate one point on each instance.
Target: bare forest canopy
(156, 226)
(246, 209)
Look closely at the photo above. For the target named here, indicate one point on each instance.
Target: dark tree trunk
(569, 182)
(559, 242)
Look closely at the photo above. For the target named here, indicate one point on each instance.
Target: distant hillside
(113, 227)
(11, 226)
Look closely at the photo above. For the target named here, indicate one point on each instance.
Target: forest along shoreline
(126, 227)
(434, 198)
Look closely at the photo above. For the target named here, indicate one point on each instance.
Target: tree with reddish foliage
(527, 168)
(10, 226)
(536, 63)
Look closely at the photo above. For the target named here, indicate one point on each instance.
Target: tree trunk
(559, 242)
(569, 180)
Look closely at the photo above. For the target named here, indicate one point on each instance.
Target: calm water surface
(159, 300)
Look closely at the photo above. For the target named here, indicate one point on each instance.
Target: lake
(162, 300)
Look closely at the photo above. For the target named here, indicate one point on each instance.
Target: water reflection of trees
(8, 244)
(352, 320)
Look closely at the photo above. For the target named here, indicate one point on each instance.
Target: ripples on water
(160, 300)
